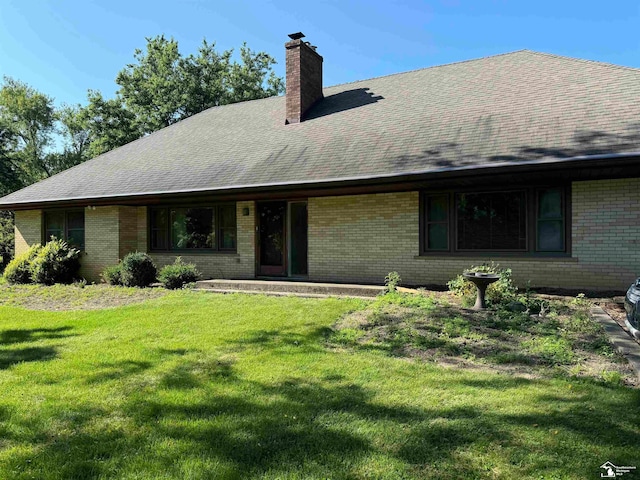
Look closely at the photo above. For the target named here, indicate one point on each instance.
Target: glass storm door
(298, 243)
(272, 229)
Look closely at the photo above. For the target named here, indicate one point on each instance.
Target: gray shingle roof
(513, 107)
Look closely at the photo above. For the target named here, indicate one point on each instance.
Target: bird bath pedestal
(481, 281)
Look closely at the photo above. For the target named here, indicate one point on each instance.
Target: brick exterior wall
(606, 229)
(128, 230)
(28, 229)
(101, 240)
(361, 238)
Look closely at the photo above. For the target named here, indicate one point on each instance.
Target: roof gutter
(600, 160)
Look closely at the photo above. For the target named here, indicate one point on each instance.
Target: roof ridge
(584, 60)
(469, 60)
(522, 50)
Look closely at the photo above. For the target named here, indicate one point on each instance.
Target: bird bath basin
(481, 281)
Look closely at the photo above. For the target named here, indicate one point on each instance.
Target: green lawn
(193, 385)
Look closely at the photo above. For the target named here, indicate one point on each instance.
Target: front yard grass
(194, 385)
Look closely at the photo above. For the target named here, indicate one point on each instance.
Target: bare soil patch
(74, 297)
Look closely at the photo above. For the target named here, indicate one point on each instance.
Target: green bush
(113, 275)
(500, 292)
(56, 262)
(178, 275)
(138, 270)
(19, 269)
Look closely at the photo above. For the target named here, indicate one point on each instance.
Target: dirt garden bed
(435, 327)
(74, 297)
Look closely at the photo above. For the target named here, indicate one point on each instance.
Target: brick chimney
(304, 77)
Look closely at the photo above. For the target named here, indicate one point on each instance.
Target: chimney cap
(296, 36)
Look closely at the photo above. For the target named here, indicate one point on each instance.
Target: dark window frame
(531, 210)
(218, 229)
(428, 222)
(65, 225)
(563, 218)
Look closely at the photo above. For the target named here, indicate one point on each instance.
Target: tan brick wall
(606, 222)
(102, 240)
(224, 265)
(128, 230)
(361, 238)
(141, 227)
(28, 229)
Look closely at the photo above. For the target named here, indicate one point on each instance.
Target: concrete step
(279, 294)
(311, 289)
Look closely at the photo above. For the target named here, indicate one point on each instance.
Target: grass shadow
(294, 430)
(282, 339)
(117, 370)
(9, 337)
(195, 373)
(9, 358)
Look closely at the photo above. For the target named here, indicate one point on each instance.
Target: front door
(272, 228)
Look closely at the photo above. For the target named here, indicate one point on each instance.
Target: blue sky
(64, 47)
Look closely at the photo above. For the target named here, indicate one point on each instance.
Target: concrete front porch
(293, 288)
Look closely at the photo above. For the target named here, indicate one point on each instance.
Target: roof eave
(627, 161)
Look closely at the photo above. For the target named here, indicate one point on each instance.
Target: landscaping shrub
(56, 262)
(113, 275)
(19, 269)
(138, 270)
(178, 275)
(500, 292)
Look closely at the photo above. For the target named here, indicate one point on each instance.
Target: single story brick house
(528, 159)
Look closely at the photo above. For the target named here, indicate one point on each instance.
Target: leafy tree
(163, 87)
(204, 79)
(247, 79)
(9, 172)
(9, 181)
(108, 123)
(75, 134)
(30, 118)
(151, 87)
